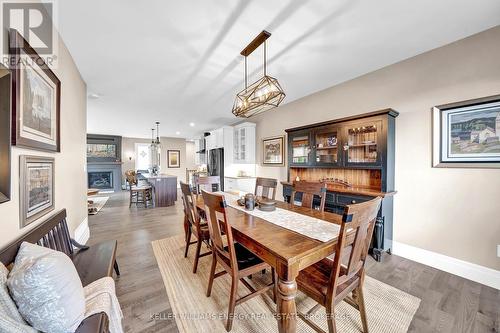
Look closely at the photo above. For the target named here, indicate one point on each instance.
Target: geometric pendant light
(262, 95)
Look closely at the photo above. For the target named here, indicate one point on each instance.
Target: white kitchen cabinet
(244, 143)
(199, 158)
(242, 184)
(217, 138)
(210, 142)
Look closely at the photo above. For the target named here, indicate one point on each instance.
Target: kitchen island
(164, 189)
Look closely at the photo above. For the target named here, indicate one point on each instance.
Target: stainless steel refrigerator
(215, 165)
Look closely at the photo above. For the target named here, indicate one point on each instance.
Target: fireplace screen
(101, 179)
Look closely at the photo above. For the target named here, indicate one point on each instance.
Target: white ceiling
(178, 61)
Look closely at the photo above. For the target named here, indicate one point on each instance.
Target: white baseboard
(470, 271)
(82, 232)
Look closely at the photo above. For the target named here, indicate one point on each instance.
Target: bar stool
(139, 194)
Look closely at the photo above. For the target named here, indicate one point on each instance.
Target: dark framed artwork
(36, 187)
(5, 109)
(467, 134)
(273, 150)
(174, 158)
(36, 98)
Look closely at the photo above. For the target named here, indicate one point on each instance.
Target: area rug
(98, 203)
(389, 310)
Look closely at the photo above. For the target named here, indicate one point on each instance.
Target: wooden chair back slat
(359, 220)
(66, 236)
(57, 243)
(190, 206)
(46, 242)
(266, 185)
(309, 190)
(218, 225)
(60, 239)
(207, 184)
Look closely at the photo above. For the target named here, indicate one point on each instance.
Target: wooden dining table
(287, 251)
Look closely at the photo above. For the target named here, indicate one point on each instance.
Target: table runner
(302, 224)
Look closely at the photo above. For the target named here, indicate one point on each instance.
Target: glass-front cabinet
(362, 144)
(300, 148)
(352, 144)
(326, 145)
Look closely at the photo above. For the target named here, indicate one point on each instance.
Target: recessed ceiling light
(94, 96)
(177, 133)
(191, 124)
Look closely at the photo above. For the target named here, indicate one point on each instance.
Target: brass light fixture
(155, 151)
(262, 95)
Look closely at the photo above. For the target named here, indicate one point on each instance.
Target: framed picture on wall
(5, 109)
(174, 158)
(467, 134)
(36, 98)
(36, 182)
(273, 150)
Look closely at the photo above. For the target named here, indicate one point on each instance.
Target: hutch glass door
(362, 146)
(326, 147)
(300, 148)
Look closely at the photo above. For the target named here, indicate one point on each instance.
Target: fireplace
(101, 179)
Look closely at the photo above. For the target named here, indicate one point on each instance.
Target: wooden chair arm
(78, 245)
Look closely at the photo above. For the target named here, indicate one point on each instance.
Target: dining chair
(208, 183)
(309, 190)
(328, 282)
(235, 259)
(265, 185)
(194, 225)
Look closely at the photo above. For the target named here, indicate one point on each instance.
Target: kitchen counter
(165, 189)
(352, 190)
(161, 175)
(240, 177)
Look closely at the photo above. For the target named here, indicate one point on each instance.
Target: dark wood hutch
(355, 157)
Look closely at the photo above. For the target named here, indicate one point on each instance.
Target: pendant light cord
(265, 60)
(246, 80)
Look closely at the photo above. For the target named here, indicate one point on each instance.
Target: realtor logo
(35, 22)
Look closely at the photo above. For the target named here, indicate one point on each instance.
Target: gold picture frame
(174, 158)
(273, 151)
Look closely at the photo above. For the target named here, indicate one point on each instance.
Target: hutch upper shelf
(344, 143)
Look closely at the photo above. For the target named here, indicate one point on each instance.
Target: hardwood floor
(140, 288)
(449, 303)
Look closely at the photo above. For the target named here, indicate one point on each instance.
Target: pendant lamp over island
(155, 151)
(262, 95)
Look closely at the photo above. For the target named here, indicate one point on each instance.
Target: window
(142, 156)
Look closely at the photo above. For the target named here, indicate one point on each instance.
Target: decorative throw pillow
(47, 290)
(10, 318)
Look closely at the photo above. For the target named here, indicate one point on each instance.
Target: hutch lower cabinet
(355, 157)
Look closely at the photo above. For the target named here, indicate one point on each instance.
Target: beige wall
(454, 212)
(128, 149)
(190, 155)
(70, 163)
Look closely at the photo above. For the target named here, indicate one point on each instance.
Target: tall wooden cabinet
(356, 150)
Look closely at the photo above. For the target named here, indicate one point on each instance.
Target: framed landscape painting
(467, 134)
(273, 151)
(101, 150)
(36, 184)
(36, 98)
(174, 158)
